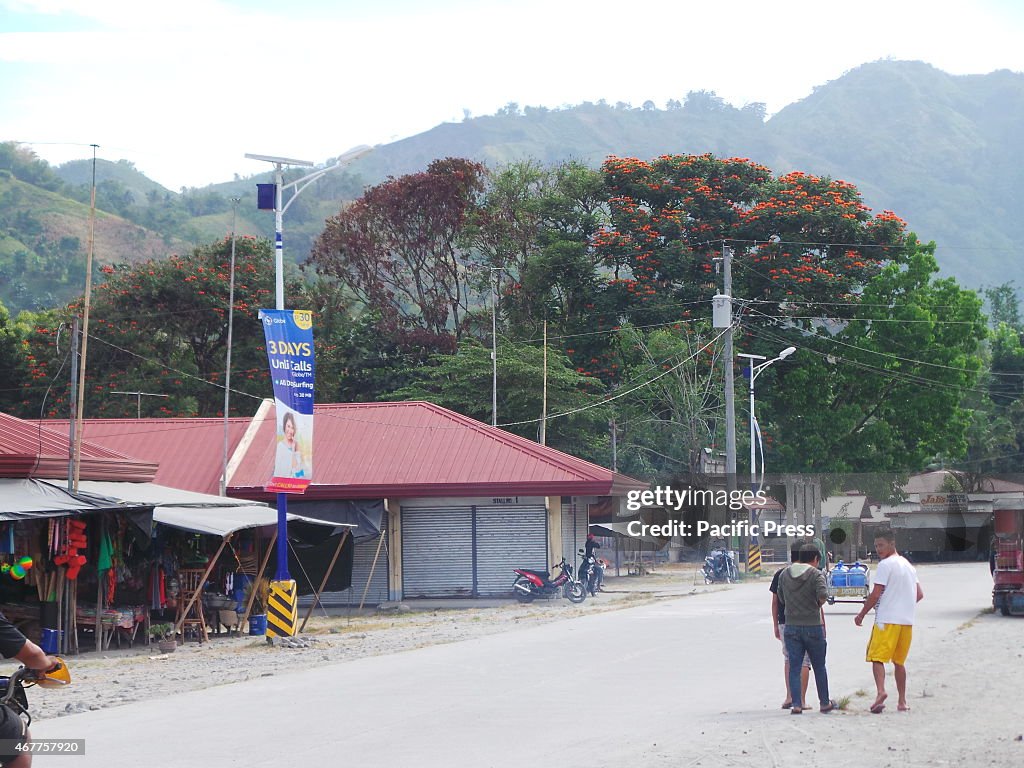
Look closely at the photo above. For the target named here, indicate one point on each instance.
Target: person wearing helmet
(589, 547)
(13, 644)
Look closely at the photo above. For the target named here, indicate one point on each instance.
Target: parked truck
(1007, 562)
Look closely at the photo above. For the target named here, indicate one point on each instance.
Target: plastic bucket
(50, 641)
(258, 624)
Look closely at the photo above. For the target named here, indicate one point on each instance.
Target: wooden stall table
(121, 622)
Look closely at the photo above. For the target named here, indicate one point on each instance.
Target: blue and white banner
(289, 335)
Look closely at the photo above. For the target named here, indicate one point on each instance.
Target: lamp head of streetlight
(353, 154)
(786, 353)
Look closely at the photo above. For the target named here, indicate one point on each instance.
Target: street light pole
(755, 371)
(750, 546)
(279, 208)
(297, 186)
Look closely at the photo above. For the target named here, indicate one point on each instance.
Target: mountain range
(942, 151)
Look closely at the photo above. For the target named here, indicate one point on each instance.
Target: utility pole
(227, 362)
(727, 359)
(544, 397)
(76, 455)
(72, 426)
(494, 347)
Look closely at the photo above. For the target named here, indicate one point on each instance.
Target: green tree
(13, 361)
(458, 382)
(671, 397)
(882, 392)
(161, 327)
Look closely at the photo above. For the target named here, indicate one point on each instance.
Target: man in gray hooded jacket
(802, 592)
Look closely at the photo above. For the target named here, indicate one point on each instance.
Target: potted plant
(163, 634)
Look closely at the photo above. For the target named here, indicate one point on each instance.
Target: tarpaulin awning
(28, 498)
(197, 512)
(622, 530)
(224, 520)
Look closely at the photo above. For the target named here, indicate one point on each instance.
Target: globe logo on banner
(289, 335)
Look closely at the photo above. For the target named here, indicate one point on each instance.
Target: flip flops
(796, 711)
(831, 706)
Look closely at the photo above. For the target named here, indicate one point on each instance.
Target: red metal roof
(416, 449)
(36, 450)
(189, 452)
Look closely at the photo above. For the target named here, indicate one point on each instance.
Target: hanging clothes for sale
(105, 560)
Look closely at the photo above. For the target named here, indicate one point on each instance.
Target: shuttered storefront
(506, 538)
(437, 552)
(470, 551)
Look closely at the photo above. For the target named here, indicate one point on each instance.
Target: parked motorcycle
(529, 584)
(591, 572)
(720, 566)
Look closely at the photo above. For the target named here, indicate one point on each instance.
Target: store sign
(289, 335)
(944, 502)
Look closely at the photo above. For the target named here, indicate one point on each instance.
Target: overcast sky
(185, 88)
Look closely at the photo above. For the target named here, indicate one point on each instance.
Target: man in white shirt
(896, 594)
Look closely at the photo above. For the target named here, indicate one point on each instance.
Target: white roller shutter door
(437, 552)
(508, 537)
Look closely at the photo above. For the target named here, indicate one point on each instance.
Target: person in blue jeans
(802, 593)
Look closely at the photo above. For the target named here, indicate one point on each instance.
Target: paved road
(646, 685)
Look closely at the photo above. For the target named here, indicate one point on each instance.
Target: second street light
(753, 549)
(755, 431)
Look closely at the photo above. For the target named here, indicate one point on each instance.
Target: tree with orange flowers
(161, 327)
(812, 267)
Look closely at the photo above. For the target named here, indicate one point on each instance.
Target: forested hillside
(942, 150)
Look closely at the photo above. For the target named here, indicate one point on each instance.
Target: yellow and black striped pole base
(754, 559)
(283, 609)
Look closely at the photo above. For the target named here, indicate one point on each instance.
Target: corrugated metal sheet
(23, 437)
(188, 452)
(437, 552)
(416, 449)
(33, 449)
(508, 537)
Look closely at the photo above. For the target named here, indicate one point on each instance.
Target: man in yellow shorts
(895, 596)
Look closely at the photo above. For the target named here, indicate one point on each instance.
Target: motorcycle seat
(546, 575)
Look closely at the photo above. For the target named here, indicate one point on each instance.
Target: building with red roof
(461, 503)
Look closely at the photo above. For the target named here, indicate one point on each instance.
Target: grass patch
(844, 703)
